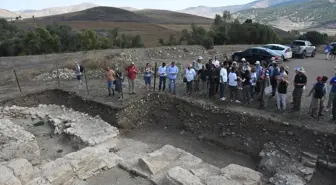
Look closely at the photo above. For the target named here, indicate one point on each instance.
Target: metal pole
(58, 78)
(87, 88)
(17, 81)
(155, 76)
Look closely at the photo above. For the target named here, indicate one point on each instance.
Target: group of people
(245, 83)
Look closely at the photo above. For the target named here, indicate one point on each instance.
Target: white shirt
(223, 74)
(162, 71)
(190, 74)
(233, 79)
(253, 80)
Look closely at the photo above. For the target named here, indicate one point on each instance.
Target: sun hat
(199, 58)
(257, 63)
(243, 59)
(301, 70)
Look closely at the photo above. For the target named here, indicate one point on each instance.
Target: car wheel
(313, 54)
(303, 55)
(283, 58)
(236, 58)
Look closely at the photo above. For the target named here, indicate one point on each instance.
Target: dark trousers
(189, 86)
(258, 87)
(222, 87)
(217, 86)
(212, 88)
(233, 93)
(246, 94)
(162, 83)
(334, 109)
(297, 96)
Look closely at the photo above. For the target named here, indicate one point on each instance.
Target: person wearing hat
(300, 81)
(78, 73)
(131, 71)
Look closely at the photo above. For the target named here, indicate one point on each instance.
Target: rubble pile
(89, 130)
(67, 74)
(283, 164)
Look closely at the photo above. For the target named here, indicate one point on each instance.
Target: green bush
(56, 38)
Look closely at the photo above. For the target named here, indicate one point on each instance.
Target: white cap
(132, 63)
(243, 59)
(257, 63)
(234, 62)
(199, 58)
(272, 58)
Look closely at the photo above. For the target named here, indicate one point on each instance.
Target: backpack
(81, 68)
(319, 90)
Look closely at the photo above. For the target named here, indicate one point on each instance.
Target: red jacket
(132, 70)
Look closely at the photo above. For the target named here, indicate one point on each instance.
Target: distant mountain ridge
(212, 11)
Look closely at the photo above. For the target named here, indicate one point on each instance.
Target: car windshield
(271, 52)
(267, 46)
(298, 43)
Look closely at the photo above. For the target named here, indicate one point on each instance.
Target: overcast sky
(15, 5)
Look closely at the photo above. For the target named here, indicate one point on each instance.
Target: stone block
(57, 172)
(17, 143)
(242, 174)
(220, 180)
(39, 181)
(22, 169)
(7, 177)
(205, 170)
(180, 176)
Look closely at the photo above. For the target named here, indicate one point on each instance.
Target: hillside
(288, 16)
(170, 17)
(98, 14)
(212, 11)
(6, 13)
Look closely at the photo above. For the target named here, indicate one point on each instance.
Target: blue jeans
(222, 87)
(147, 80)
(170, 85)
(162, 83)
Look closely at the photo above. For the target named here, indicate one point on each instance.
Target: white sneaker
(223, 99)
(237, 101)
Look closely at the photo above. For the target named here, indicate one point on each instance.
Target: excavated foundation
(281, 151)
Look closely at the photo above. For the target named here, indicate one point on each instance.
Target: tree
(137, 41)
(248, 21)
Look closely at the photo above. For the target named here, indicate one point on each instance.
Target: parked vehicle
(257, 54)
(284, 51)
(303, 48)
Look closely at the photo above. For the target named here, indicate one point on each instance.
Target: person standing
(259, 70)
(327, 51)
(282, 92)
(190, 75)
(78, 73)
(172, 74)
(163, 75)
(223, 80)
(202, 73)
(273, 78)
(332, 93)
(246, 83)
(110, 78)
(319, 92)
(233, 85)
(264, 82)
(148, 72)
(119, 83)
(253, 82)
(300, 80)
(197, 66)
(132, 71)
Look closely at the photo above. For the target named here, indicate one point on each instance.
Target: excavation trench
(215, 134)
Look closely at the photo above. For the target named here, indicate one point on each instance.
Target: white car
(284, 51)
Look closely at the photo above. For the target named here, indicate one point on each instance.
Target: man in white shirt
(223, 80)
(172, 74)
(190, 75)
(162, 71)
(233, 85)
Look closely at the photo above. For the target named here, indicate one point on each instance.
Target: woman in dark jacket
(119, 83)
